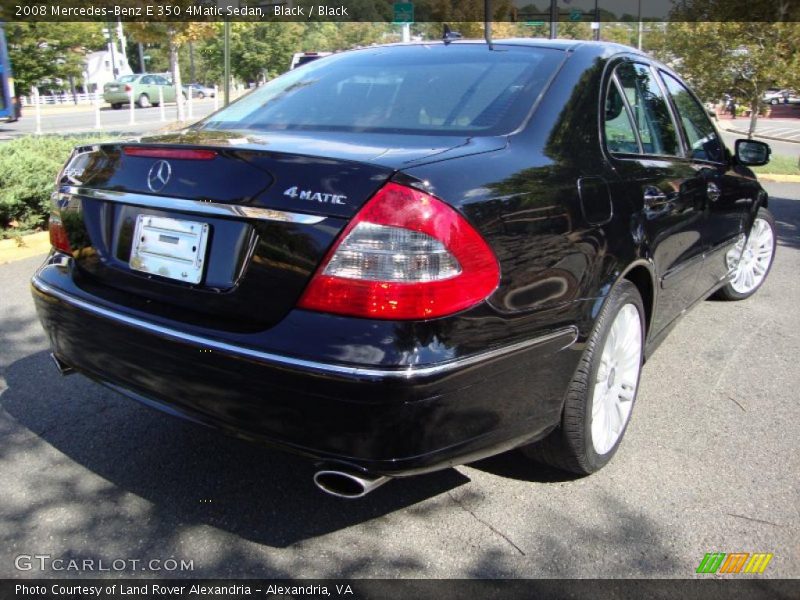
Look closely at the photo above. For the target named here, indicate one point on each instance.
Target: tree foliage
(740, 59)
(47, 54)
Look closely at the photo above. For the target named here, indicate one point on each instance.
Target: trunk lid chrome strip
(188, 206)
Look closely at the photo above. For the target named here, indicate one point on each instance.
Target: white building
(97, 71)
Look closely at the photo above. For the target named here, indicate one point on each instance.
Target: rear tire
(751, 259)
(116, 106)
(601, 395)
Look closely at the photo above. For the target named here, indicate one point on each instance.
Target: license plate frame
(171, 248)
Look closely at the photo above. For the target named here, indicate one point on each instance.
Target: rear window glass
(419, 89)
(127, 78)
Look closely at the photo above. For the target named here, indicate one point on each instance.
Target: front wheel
(750, 260)
(144, 101)
(603, 390)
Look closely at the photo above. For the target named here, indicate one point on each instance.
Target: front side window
(704, 144)
(450, 90)
(650, 112)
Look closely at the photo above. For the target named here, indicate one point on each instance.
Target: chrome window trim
(189, 206)
(569, 335)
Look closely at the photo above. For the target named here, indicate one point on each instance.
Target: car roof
(600, 48)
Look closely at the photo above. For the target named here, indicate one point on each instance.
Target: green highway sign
(403, 12)
(534, 23)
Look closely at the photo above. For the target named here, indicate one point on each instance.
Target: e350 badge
(313, 196)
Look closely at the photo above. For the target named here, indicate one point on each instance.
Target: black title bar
(390, 11)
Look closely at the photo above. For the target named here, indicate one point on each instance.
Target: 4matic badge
(293, 192)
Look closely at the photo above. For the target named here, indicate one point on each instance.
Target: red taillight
(177, 153)
(405, 255)
(128, 88)
(58, 235)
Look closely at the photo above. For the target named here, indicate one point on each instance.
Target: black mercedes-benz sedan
(402, 258)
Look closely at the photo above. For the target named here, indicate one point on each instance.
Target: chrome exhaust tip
(63, 368)
(350, 485)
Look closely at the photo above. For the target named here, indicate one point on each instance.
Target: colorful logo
(735, 562)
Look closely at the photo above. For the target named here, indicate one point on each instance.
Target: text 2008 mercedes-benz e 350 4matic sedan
(402, 258)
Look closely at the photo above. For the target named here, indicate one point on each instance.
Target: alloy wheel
(617, 379)
(750, 260)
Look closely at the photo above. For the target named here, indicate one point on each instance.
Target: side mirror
(752, 153)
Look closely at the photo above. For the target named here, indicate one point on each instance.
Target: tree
(45, 54)
(741, 59)
(176, 34)
(258, 50)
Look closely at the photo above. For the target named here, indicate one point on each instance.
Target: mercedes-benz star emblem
(159, 175)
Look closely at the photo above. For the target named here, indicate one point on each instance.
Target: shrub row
(28, 169)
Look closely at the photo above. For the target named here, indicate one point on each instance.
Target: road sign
(576, 14)
(534, 23)
(403, 12)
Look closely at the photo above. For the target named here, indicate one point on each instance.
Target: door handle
(654, 197)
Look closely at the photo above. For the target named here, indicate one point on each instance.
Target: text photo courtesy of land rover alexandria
(403, 258)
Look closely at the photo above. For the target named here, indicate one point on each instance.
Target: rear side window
(650, 112)
(457, 89)
(704, 144)
(620, 134)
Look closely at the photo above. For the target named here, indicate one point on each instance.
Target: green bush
(28, 170)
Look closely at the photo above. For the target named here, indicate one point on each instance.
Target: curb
(763, 137)
(34, 244)
(778, 178)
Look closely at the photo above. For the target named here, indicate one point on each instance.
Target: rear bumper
(391, 421)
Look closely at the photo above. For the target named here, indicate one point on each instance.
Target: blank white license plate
(171, 248)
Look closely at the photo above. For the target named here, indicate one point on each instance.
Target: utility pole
(142, 67)
(226, 51)
(111, 45)
(553, 19)
(191, 63)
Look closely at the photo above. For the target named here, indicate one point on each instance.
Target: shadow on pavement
(83, 460)
(188, 472)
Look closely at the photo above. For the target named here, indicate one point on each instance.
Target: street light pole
(639, 17)
(553, 19)
(597, 20)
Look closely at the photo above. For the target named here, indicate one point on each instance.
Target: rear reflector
(176, 153)
(405, 255)
(58, 235)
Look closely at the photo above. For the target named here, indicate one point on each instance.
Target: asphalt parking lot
(711, 462)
